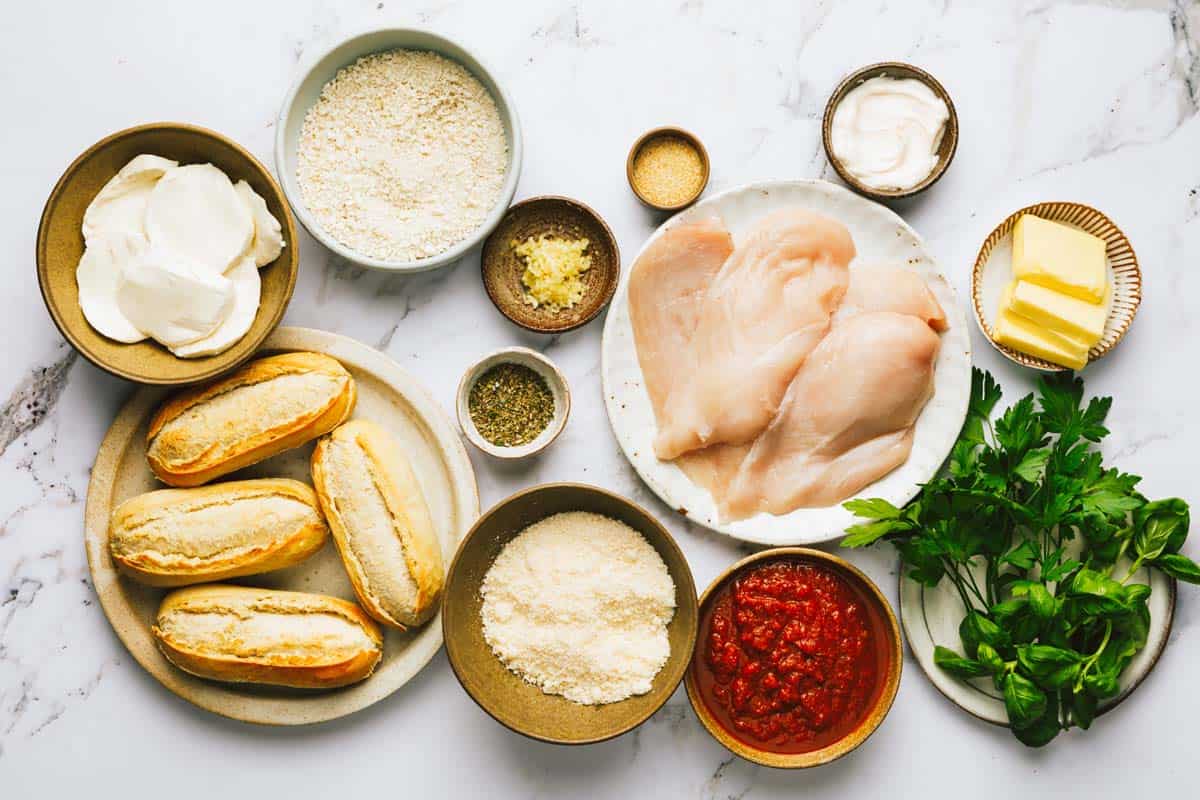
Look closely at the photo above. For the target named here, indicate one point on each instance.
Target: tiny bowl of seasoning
(513, 403)
(797, 658)
(667, 168)
(890, 130)
(551, 265)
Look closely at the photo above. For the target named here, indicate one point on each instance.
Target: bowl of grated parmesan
(569, 614)
(398, 150)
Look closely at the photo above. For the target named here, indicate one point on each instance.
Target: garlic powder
(402, 156)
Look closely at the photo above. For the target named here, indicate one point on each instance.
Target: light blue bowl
(307, 89)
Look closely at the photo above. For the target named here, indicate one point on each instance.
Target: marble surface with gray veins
(1087, 101)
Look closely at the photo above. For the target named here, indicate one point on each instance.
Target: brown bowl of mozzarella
(166, 254)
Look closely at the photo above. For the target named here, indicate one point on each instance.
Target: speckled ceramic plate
(881, 238)
(930, 617)
(387, 395)
(993, 271)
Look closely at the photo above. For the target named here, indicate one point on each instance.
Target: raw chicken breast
(847, 419)
(666, 286)
(764, 312)
(882, 288)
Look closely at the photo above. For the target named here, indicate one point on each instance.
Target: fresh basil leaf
(1083, 709)
(1042, 730)
(1052, 667)
(976, 628)
(987, 655)
(1102, 684)
(1160, 527)
(1023, 700)
(1041, 602)
(1136, 593)
(1090, 582)
(956, 665)
(1179, 567)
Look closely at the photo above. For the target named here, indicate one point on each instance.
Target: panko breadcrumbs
(402, 156)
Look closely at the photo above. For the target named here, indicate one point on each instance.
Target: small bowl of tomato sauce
(797, 660)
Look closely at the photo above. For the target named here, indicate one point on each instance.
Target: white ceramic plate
(881, 237)
(931, 617)
(387, 395)
(307, 88)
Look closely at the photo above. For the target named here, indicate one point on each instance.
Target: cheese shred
(578, 604)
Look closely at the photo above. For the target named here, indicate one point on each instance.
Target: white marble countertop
(1089, 101)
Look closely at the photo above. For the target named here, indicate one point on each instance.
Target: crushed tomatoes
(790, 657)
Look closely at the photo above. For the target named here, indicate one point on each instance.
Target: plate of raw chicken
(778, 349)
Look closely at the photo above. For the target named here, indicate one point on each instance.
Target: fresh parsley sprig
(1030, 528)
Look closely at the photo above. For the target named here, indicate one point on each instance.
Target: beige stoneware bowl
(542, 366)
(60, 244)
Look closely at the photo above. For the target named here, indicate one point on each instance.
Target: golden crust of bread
(240, 652)
(166, 449)
(392, 476)
(167, 537)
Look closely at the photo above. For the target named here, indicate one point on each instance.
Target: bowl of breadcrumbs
(398, 150)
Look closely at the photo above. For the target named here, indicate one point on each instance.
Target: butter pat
(1059, 257)
(1076, 318)
(1013, 330)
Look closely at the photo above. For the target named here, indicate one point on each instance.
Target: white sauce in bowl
(886, 132)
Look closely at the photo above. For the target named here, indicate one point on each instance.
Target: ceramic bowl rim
(505, 106)
(874, 717)
(610, 288)
(668, 130)
(839, 94)
(290, 254)
(556, 426)
(689, 590)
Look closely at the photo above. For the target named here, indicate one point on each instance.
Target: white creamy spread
(172, 253)
(886, 132)
(174, 300)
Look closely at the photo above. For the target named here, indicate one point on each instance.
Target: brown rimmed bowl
(891, 69)
(891, 680)
(667, 131)
(60, 245)
(560, 217)
(993, 269)
(521, 706)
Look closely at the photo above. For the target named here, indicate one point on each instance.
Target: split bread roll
(245, 635)
(174, 537)
(380, 523)
(268, 406)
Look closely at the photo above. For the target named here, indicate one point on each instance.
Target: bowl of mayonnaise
(890, 130)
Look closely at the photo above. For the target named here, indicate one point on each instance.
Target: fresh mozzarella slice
(195, 213)
(120, 206)
(98, 275)
(268, 234)
(172, 299)
(246, 290)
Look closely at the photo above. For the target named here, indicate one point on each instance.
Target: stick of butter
(1059, 257)
(1013, 330)
(1076, 318)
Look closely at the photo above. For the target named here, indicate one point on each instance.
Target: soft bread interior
(371, 541)
(209, 429)
(196, 528)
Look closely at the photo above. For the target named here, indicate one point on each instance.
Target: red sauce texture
(790, 657)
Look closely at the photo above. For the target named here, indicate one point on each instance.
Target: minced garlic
(553, 268)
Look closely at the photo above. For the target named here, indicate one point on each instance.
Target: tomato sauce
(791, 656)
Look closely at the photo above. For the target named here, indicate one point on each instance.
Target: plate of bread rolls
(271, 546)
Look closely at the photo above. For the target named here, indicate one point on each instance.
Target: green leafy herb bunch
(1041, 542)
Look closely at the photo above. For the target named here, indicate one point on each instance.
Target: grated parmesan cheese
(578, 605)
(402, 156)
(553, 268)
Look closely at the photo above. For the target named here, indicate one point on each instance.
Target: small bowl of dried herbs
(513, 403)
